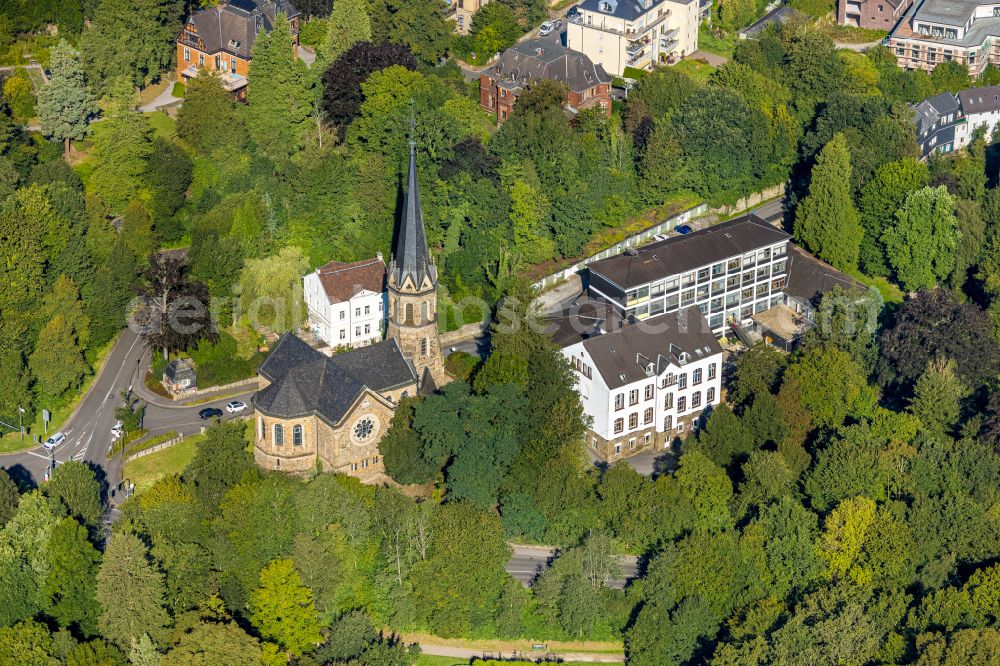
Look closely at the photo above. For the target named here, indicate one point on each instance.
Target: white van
(55, 440)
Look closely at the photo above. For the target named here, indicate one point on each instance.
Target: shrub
(220, 363)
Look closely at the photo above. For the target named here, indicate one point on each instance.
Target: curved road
(88, 429)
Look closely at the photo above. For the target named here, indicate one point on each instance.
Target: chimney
(378, 255)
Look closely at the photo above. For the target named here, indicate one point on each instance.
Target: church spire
(410, 256)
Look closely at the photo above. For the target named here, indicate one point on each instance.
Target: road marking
(80, 455)
(39, 455)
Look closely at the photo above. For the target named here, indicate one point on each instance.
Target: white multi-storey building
(347, 302)
(648, 382)
(729, 271)
(636, 33)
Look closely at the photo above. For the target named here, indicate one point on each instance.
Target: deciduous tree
(348, 24)
(921, 245)
(282, 608)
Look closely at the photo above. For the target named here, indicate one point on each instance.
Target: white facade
(355, 322)
(616, 36)
(661, 398)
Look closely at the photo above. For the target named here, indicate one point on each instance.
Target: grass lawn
(699, 71)
(11, 441)
(146, 471)
(891, 293)
(722, 46)
(163, 125)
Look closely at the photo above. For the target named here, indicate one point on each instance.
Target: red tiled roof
(342, 280)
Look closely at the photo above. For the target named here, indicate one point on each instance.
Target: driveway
(529, 561)
(165, 98)
(712, 59)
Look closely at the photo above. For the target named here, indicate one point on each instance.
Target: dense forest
(841, 508)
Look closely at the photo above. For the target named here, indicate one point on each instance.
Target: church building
(329, 412)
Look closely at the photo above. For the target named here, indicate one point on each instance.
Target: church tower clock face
(364, 429)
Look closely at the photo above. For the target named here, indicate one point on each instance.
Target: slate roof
(305, 381)
(541, 60)
(980, 100)
(342, 281)
(809, 278)
(232, 27)
(629, 10)
(679, 254)
(586, 319)
(410, 256)
(179, 369)
(930, 110)
(621, 356)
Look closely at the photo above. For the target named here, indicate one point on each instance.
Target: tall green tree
(210, 118)
(879, 200)
(65, 105)
(131, 38)
(278, 94)
(72, 579)
(826, 221)
(349, 23)
(937, 397)
(57, 362)
(130, 591)
(77, 492)
(282, 608)
(121, 147)
(271, 290)
(921, 245)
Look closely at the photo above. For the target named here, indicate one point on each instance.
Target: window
(423, 346)
(261, 430)
(711, 370)
(680, 427)
(710, 396)
(364, 428)
(279, 435)
(201, 59)
(681, 404)
(619, 401)
(297, 435)
(703, 274)
(187, 55)
(696, 377)
(633, 420)
(647, 416)
(696, 400)
(649, 392)
(668, 423)
(357, 312)
(633, 397)
(368, 309)
(593, 443)
(232, 65)
(218, 62)
(618, 448)
(343, 315)
(668, 401)
(343, 334)
(357, 330)
(682, 381)
(619, 425)
(368, 329)
(647, 439)
(631, 443)
(409, 314)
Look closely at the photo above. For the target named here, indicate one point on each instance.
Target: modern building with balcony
(872, 14)
(220, 39)
(936, 31)
(635, 33)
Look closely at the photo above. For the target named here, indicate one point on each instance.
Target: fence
(153, 449)
(619, 247)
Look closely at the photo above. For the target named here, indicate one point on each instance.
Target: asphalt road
(529, 561)
(88, 430)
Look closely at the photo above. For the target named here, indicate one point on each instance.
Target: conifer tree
(278, 94)
(349, 24)
(827, 221)
(64, 103)
(120, 148)
(130, 590)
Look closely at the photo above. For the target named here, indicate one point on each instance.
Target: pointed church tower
(412, 287)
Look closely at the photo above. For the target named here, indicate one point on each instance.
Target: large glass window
(656, 308)
(718, 269)
(696, 377)
(702, 274)
(687, 298)
(633, 420)
(619, 425)
(619, 401)
(279, 434)
(297, 435)
(633, 397)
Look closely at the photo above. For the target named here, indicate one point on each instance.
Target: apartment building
(636, 33)
(648, 382)
(220, 39)
(936, 31)
(462, 12)
(527, 63)
(347, 302)
(871, 14)
(729, 272)
(948, 122)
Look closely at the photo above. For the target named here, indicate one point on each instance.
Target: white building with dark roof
(948, 122)
(347, 302)
(646, 383)
(636, 33)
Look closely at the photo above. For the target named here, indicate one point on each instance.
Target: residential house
(347, 302)
(527, 63)
(179, 376)
(315, 410)
(647, 382)
(636, 33)
(461, 12)
(220, 39)
(948, 122)
(871, 14)
(936, 31)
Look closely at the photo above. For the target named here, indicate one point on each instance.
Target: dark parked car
(210, 413)
(682, 229)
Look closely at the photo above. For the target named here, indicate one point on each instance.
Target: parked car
(55, 440)
(236, 406)
(116, 431)
(210, 413)
(683, 229)
(573, 12)
(546, 28)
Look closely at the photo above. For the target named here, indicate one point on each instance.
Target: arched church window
(423, 312)
(297, 435)
(423, 346)
(279, 434)
(409, 313)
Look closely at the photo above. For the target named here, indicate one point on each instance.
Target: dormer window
(607, 8)
(234, 44)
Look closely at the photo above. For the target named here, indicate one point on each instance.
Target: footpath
(602, 653)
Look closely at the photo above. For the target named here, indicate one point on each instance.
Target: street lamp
(20, 422)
